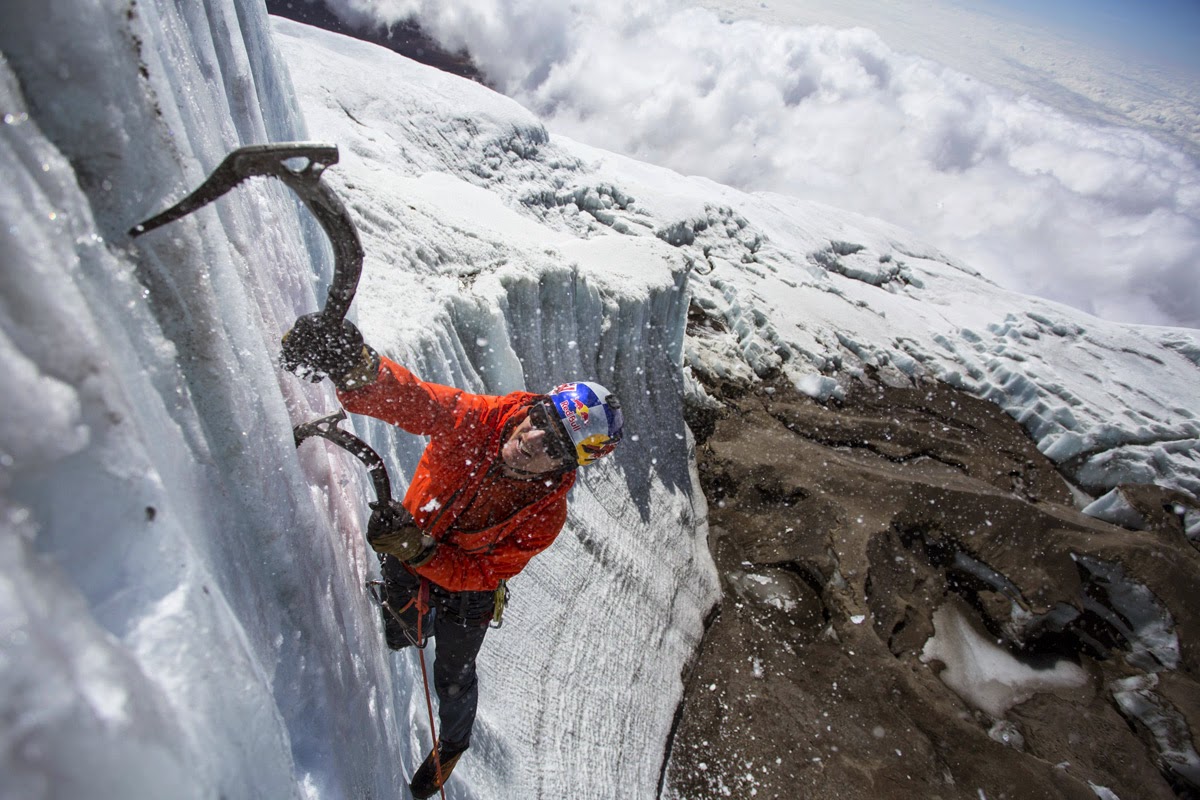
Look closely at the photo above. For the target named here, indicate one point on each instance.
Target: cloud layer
(1106, 219)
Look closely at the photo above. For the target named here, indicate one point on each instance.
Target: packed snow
(985, 675)
(181, 590)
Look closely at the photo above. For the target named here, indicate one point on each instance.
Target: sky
(1052, 166)
(1165, 30)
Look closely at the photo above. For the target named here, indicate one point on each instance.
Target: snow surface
(1043, 188)
(823, 294)
(181, 592)
(985, 675)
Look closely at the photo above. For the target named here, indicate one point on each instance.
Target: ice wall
(181, 602)
(164, 635)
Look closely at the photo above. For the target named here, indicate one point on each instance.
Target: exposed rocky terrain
(847, 534)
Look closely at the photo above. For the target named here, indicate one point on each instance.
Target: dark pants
(457, 621)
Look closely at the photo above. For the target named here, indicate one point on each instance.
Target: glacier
(182, 608)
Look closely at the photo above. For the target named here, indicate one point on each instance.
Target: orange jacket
(487, 525)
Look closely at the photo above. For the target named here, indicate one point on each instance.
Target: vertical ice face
(181, 594)
(147, 479)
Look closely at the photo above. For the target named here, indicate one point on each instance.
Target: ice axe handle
(327, 428)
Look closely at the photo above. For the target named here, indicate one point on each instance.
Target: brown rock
(840, 530)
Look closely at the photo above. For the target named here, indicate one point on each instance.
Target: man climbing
(489, 493)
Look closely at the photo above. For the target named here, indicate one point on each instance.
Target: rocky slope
(847, 534)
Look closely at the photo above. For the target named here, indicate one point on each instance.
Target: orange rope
(422, 601)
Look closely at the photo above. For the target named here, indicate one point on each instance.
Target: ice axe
(327, 428)
(275, 161)
(272, 161)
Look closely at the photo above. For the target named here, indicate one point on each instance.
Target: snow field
(820, 293)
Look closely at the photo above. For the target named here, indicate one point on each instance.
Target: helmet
(591, 416)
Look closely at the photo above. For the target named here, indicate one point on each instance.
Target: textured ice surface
(1139, 701)
(1133, 610)
(1115, 508)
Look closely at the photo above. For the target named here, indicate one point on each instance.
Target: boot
(429, 779)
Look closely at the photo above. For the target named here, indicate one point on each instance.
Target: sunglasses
(555, 443)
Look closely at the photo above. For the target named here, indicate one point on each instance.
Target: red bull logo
(583, 411)
(575, 413)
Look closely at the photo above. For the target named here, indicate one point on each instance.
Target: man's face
(531, 448)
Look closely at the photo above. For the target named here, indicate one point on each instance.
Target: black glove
(315, 347)
(392, 530)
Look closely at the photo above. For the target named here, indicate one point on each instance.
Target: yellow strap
(501, 597)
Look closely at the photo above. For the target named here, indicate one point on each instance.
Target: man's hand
(314, 348)
(391, 530)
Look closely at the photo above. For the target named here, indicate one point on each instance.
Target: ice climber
(489, 493)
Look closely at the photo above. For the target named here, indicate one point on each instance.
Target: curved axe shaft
(327, 428)
(271, 160)
(276, 161)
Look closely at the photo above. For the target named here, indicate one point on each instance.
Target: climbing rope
(421, 601)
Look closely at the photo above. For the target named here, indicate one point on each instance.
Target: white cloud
(1103, 218)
